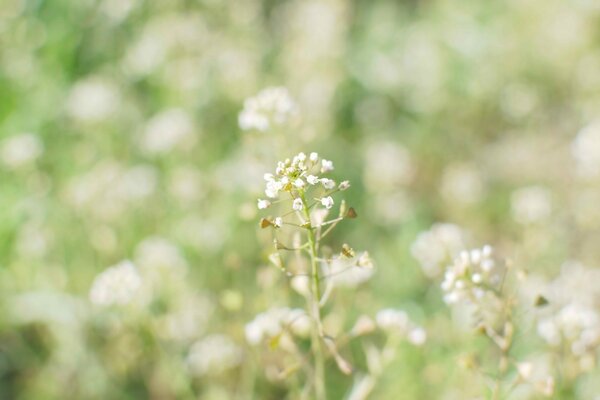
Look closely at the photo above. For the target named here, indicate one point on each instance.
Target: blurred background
(119, 140)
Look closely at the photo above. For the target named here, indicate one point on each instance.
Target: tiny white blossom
(213, 355)
(270, 108)
(327, 202)
(313, 157)
(328, 183)
(344, 185)
(313, 180)
(299, 183)
(262, 204)
(278, 222)
(326, 165)
(116, 285)
(298, 205)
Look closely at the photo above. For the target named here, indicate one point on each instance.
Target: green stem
(317, 347)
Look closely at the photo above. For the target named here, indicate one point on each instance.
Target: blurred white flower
(167, 130)
(437, 246)
(350, 272)
(117, 285)
(272, 107)
(397, 322)
(275, 322)
(531, 204)
(20, 150)
(326, 166)
(586, 150)
(462, 183)
(214, 354)
(388, 165)
(93, 99)
(157, 253)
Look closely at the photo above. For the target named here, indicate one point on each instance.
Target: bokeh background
(119, 139)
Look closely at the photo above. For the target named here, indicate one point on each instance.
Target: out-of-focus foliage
(119, 140)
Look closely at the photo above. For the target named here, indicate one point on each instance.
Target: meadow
(299, 199)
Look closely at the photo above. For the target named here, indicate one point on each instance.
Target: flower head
(269, 108)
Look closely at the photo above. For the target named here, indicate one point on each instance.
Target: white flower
(417, 336)
(298, 183)
(262, 204)
(272, 189)
(438, 246)
(278, 222)
(213, 355)
(327, 202)
(328, 183)
(298, 205)
(313, 180)
(116, 285)
(313, 157)
(326, 166)
(275, 322)
(531, 204)
(270, 108)
(472, 275)
(397, 322)
(20, 150)
(93, 99)
(586, 150)
(344, 185)
(349, 272)
(167, 130)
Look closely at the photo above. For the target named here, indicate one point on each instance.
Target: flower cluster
(349, 271)
(276, 321)
(117, 285)
(213, 354)
(586, 150)
(472, 274)
(296, 176)
(571, 321)
(271, 107)
(397, 322)
(438, 246)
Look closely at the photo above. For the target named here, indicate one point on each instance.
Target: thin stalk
(317, 347)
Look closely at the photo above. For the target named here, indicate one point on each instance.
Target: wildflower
(313, 157)
(344, 185)
(328, 183)
(262, 204)
(439, 245)
(93, 99)
(277, 222)
(167, 130)
(298, 205)
(345, 271)
(298, 183)
(397, 322)
(586, 150)
(313, 180)
(327, 202)
(470, 276)
(213, 355)
(270, 108)
(326, 166)
(531, 204)
(275, 322)
(116, 286)
(20, 150)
